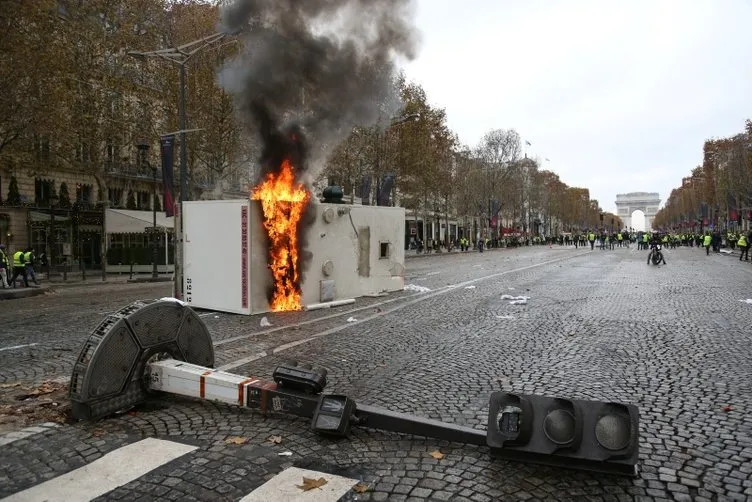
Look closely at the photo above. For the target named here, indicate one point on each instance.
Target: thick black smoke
(324, 65)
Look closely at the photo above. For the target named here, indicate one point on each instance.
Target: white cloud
(620, 96)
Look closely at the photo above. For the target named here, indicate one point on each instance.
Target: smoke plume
(315, 69)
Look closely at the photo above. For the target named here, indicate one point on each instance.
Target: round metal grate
(107, 376)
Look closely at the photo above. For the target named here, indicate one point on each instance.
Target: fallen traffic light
(591, 435)
(164, 346)
(332, 415)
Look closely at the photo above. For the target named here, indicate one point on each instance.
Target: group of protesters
(17, 264)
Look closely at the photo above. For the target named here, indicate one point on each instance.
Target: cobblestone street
(675, 340)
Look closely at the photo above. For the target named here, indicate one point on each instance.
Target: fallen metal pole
(190, 380)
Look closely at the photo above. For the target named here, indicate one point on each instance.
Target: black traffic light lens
(559, 426)
(509, 420)
(613, 431)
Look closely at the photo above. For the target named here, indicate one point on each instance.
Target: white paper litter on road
(170, 299)
(416, 288)
(469, 287)
(510, 297)
(352, 319)
(518, 302)
(504, 317)
(285, 454)
(726, 251)
(510, 289)
(748, 300)
(265, 322)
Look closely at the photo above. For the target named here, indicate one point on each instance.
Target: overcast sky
(619, 95)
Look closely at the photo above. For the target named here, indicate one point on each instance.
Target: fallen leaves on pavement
(22, 406)
(437, 455)
(275, 439)
(236, 440)
(727, 408)
(311, 484)
(360, 487)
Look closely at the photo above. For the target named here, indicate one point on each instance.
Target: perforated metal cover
(107, 376)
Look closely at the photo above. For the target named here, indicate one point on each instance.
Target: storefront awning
(36, 217)
(125, 221)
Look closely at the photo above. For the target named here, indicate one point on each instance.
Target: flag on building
(365, 190)
(385, 190)
(167, 149)
(733, 212)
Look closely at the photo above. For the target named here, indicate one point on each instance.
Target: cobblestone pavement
(674, 340)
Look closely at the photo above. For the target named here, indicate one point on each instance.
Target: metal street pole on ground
(181, 56)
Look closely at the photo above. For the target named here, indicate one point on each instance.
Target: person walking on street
(706, 243)
(29, 259)
(19, 269)
(743, 244)
(4, 268)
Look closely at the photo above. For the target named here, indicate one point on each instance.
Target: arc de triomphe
(647, 202)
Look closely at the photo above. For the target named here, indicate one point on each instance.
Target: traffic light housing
(591, 435)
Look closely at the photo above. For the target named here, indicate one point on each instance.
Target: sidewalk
(16, 293)
(93, 278)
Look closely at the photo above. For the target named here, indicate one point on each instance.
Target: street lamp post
(181, 56)
(53, 202)
(143, 148)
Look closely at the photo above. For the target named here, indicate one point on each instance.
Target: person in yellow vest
(4, 267)
(706, 241)
(743, 247)
(591, 238)
(18, 268)
(29, 265)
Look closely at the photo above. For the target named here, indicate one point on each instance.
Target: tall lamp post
(53, 245)
(143, 149)
(181, 56)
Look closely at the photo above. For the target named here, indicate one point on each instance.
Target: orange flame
(283, 202)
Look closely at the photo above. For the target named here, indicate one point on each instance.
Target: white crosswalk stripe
(105, 474)
(130, 462)
(284, 487)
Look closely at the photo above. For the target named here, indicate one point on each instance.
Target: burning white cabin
(351, 251)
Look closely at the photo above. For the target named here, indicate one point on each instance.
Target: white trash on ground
(504, 317)
(748, 301)
(265, 322)
(516, 300)
(352, 319)
(469, 287)
(170, 299)
(416, 288)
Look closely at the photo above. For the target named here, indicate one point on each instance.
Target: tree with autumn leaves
(489, 187)
(717, 192)
(73, 99)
